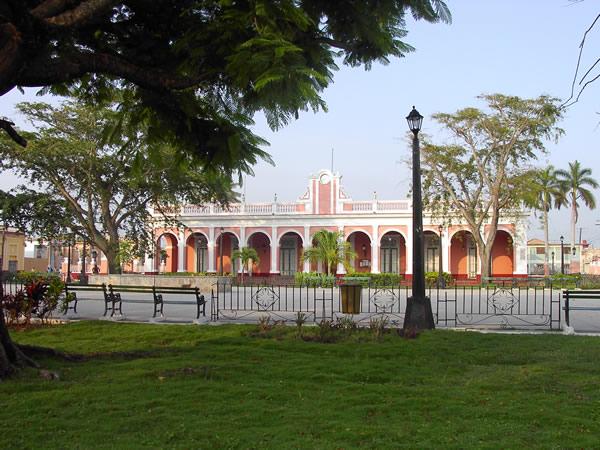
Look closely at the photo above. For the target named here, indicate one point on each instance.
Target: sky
(515, 47)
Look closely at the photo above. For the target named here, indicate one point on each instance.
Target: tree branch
(8, 127)
(82, 14)
(48, 70)
(51, 8)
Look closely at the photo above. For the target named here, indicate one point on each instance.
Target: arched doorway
(393, 253)
(502, 255)
(230, 244)
(260, 242)
(166, 255)
(463, 255)
(432, 246)
(290, 253)
(197, 253)
(360, 243)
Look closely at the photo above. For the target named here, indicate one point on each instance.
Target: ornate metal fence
(465, 306)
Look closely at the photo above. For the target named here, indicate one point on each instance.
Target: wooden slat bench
(73, 288)
(579, 294)
(157, 295)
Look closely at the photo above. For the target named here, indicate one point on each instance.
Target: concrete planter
(205, 283)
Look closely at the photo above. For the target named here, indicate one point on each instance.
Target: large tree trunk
(113, 261)
(11, 357)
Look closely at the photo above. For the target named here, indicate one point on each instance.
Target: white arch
(290, 231)
(164, 233)
(197, 232)
(359, 231)
(257, 232)
(391, 230)
(459, 231)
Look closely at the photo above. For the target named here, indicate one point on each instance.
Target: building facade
(569, 263)
(12, 243)
(379, 231)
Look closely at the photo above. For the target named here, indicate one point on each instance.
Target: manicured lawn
(217, 387)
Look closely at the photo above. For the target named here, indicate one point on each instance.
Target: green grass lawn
(217, 387)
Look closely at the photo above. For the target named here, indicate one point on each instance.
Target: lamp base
(419, 314)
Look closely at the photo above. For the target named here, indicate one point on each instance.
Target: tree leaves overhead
(195, 71)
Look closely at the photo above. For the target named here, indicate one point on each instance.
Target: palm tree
(546, 192)
(574, 185)
(330, 248)
(247, 255)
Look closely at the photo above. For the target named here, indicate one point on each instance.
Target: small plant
(377, 326)
(264, 324)
(300, 321)
(326, 331)
(346, 324)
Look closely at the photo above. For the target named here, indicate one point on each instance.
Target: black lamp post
(441, 279)
(83, 276)
(69, 262)
(418, 307)
(562, 255)
(552, 263)
(221, 250)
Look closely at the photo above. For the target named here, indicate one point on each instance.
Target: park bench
(115, 291)
(579, 294)
(73, 288)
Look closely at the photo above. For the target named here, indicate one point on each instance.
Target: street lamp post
(562, 255)
(83, 276)
(418, 307)
(221, 250)
(69, 262)
(441, 279)
(552, 262)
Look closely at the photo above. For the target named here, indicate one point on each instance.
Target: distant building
(536, 251)
(12, 243)
(379, 231)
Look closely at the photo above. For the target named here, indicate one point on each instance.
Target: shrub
(431, 278)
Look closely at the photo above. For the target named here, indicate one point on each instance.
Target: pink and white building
(379, 231)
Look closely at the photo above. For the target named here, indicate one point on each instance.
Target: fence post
(566, 294)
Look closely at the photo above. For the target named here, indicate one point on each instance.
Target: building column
(445, 249)
(408, 255)
(520, 250)
(274, 251)
(180, 252)
(242, 244)
(149, 263)
(306, 244)
(211, 250)
(341, 270)
(375, 250)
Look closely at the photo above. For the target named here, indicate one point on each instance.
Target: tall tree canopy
(484, 171)
(543, 194)
(196, 70)
(575, 185)
(102, 178)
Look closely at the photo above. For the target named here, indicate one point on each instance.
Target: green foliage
(40, 297)
(575, 185)
(485, 172)
(104, 177)
(246, 255)
(314, 279)
(331, 249)
(431, 278)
